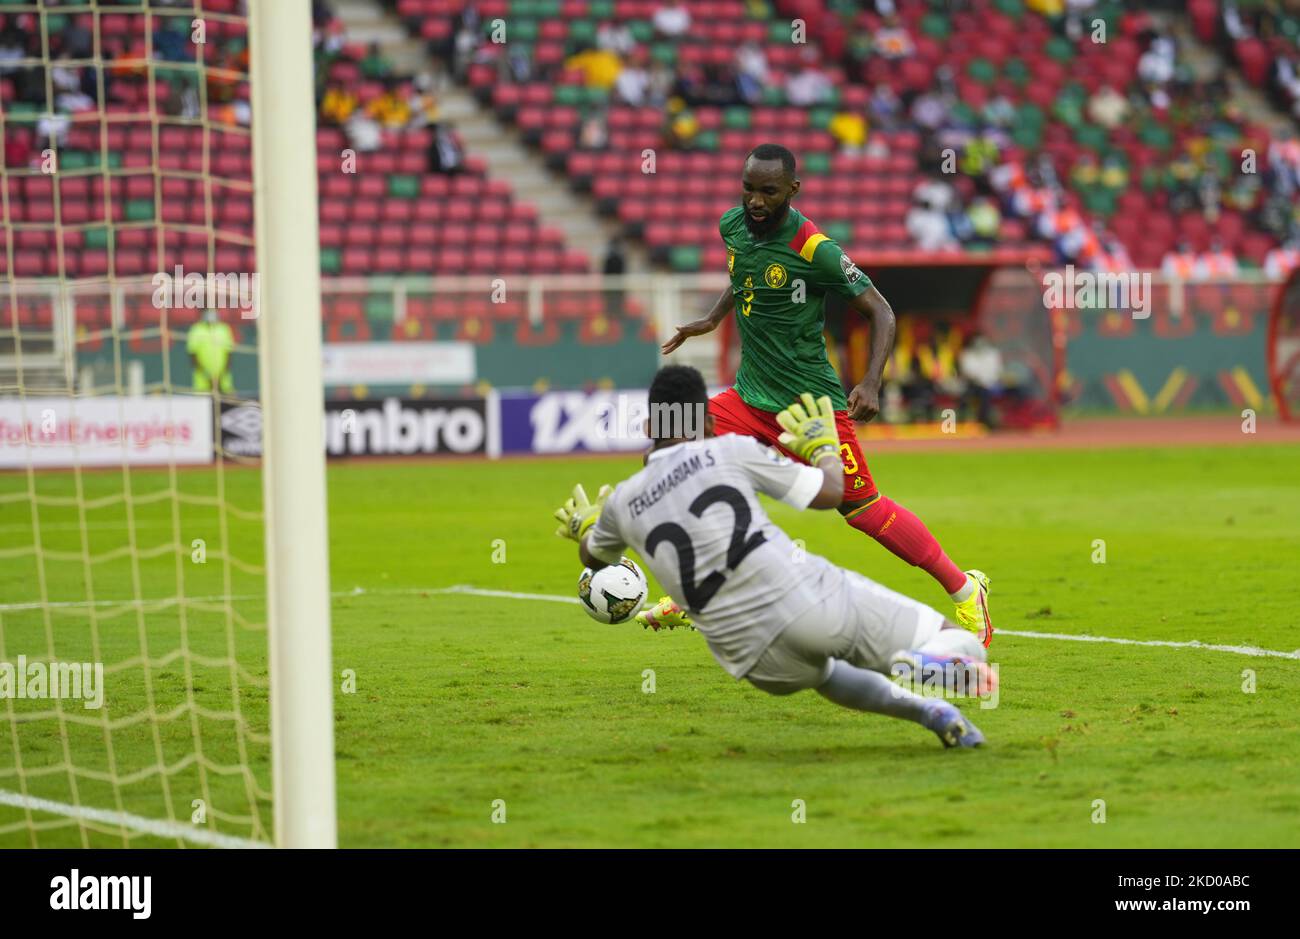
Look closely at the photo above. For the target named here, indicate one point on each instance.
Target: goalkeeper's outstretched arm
(810, 434)
(832, 492)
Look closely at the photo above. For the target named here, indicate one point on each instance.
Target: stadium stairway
(507, 158)
(365, 21)
(1205, 61)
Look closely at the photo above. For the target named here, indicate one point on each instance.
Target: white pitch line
(138, 823)
(1191, 644)
(468, 590)
(1065, 637)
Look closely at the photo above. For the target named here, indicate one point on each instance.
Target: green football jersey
(780, 285)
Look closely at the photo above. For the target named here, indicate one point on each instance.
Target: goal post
(293, 459)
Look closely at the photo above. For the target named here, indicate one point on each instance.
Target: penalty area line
(1254, 651)
(137, 823)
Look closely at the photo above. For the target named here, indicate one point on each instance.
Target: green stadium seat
(982, 70)
(1028, 136)
(524, 30)
(685, 258)
(818, 164)
(1093, 136)
(841, 232)
(331, 260)
(664, 52)
(97, 238)
(1016, 71)
(820, 118)
(379, 306)
(139, 210)
(936, 26)
(1059, 49)
(736, 119)
(404, 187)
(642, 31)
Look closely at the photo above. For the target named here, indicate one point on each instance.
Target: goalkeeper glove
(810, 431)
(579, 514)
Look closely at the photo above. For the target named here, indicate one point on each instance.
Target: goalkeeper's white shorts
(863, 624)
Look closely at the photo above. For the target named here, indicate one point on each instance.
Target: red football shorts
(731, 415)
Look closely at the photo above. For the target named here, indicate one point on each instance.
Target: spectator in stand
(849, 130)
(1180, 264)
(364, 133)
(1075, 18)
(927, 220)
(338, 105)
(423, 103)
(979, 364)
(615, 37)
(390, 109)
(633, 83)
(999, 112)
(721, 89)
(682, 126)
(593, 132)
(1108, 108)
(465, 45)
(445, 153)
(672, 20)
(885, 108)
(892, 40)
(599, 67)
(751, 72)
(809, 86)
(1282, 261)
(614, 266)
(930, 110)
(13, 46)
(375, 65)
(984, 222)
(1216, 264)
(660, 87)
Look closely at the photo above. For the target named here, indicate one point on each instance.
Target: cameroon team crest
(775, 275)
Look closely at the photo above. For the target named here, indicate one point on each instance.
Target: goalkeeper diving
(780, 618)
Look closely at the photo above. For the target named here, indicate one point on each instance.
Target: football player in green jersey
(781, 270)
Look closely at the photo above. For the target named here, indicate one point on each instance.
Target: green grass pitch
(463, 700)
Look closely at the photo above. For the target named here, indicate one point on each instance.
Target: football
(613, 594)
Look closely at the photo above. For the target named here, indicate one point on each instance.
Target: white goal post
(293, 460)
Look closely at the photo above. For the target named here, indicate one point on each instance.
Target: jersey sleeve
(604, 539)
(833, 270)
(778, 476)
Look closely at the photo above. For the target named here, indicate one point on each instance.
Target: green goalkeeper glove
(810, 431)
(579, 514)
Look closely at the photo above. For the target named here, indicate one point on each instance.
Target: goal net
(141, 645)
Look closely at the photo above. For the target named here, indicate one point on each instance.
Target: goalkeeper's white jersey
(693, 516)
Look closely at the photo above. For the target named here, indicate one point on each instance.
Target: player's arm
(578, 517)
(809, 432)
(588, 559)
(864, 400)
(721, 309)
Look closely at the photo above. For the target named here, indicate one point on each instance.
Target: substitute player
(781, 269)
(779, 618)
